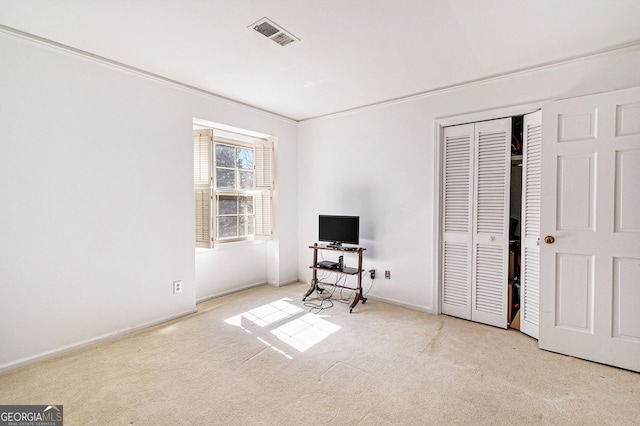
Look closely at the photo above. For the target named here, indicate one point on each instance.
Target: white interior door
(589, 282)
(492, 180)
(530, 230)
(457, 213)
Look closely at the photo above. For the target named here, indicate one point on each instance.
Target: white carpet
(260, 357)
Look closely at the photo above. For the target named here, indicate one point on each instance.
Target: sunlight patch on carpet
(299, 333)
(304, 332)
(267, 314)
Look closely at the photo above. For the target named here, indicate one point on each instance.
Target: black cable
(341, 281)
(319, 307)
(370, 287)
(343, 299)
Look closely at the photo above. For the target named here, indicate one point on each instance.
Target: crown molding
(474, 82)
(136, 71)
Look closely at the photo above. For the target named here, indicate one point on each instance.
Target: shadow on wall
(373, 211)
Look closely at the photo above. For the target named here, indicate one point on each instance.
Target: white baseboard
(23, 362)
(428, 310)
(296, 281)
(226, 292)
(246, 287)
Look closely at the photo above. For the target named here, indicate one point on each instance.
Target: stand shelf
(346, 271)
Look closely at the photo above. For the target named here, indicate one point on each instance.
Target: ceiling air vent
(274, 32)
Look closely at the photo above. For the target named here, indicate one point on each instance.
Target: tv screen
(339, 229)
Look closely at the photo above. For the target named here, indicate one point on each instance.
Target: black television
(338, 230)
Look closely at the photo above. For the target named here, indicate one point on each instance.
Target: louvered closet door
(457, 213)
(530, 255)
(491, 219)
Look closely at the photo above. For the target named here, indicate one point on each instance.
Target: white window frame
(235, 192)
(260, 194)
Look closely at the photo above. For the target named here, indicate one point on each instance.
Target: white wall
(218, 269)
(96, 207)
(96, 204)
(379, 162)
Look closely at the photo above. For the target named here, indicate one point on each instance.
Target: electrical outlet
(372, 272)
(177, 287)
(387, 275)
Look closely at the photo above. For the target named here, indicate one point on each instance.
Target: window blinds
(264, 188)
(202, 186)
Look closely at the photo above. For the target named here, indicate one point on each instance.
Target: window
(233, 187)
(232, 181)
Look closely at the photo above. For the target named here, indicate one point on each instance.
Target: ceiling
(351, 53)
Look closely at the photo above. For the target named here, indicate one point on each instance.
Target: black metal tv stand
(346, 270)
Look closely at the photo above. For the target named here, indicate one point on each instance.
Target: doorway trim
(439, 124)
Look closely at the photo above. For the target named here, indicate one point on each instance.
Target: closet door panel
(490, 227)
(457, 214)
(530, 256)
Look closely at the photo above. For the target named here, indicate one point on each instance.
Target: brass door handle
(549, 239)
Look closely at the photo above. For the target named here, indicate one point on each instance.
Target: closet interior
(515, 220)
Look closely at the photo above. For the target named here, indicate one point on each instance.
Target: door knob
(549, 239)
